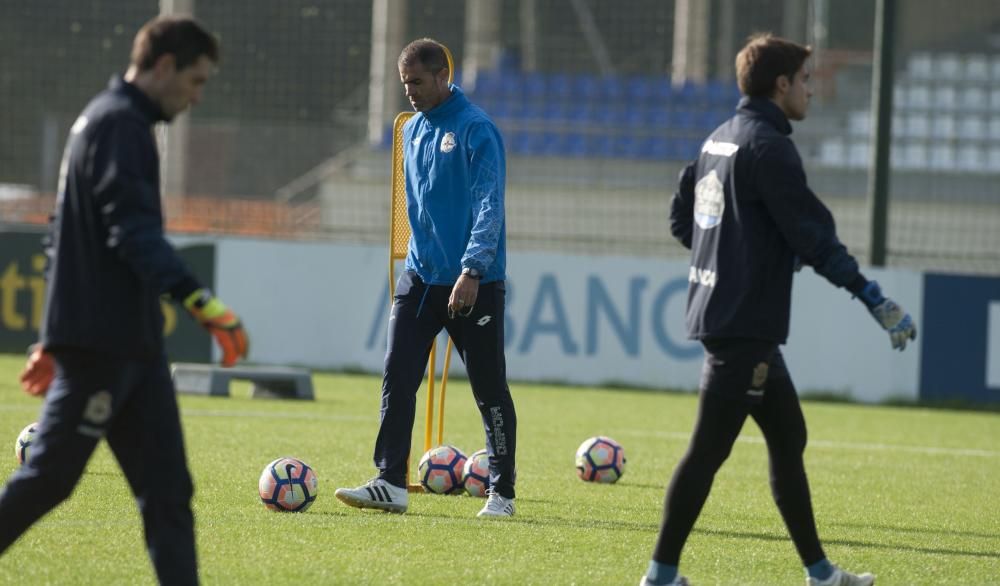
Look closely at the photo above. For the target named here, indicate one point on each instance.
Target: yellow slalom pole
(430, 398)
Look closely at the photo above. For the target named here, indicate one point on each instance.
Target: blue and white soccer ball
(600, 459)
(22, 447)
(441, 470)
(476, 474)
(288, 485)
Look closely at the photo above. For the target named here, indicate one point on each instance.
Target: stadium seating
(946, 117)
(587, 115)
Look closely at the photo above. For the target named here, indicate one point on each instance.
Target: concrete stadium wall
(576, 319)
(579, 319)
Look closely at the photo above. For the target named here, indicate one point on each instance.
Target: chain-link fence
(600, 104)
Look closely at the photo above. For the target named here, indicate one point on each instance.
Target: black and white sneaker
(375, 494)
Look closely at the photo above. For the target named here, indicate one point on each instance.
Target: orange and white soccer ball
(476, 474)
(441, 470)
(600, 459)
(288, 485)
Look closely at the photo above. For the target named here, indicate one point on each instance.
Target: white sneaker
(841, 578)
(678, 581)
(497, 506)
(375, 494)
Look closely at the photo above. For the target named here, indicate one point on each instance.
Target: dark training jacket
(745, 211)
(108, 258)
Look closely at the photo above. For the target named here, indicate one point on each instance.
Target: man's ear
(443, 76)
(165, 65)
(781, 85)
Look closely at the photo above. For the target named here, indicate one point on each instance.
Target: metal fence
(600, 104)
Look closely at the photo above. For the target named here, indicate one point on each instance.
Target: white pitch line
(231, 414)
(812, 443)
(275, 415)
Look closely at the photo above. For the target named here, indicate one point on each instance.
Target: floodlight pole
(174, 136)
(882, 90)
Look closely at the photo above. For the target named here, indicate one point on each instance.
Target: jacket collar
(145, 105)
(455, 102)
(768, 110)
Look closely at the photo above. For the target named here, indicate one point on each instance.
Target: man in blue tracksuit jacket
(455, 170)
(748, 216)
(100, 360)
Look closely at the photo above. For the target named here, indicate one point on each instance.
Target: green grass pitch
(910, 494)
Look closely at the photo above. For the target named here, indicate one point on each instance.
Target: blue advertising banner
(960, 339)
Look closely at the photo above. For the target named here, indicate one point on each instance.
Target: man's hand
(890, 316)
(463, 296)
(38, 372)
(221, 322)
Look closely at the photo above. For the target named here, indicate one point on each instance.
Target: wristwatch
(472, 273)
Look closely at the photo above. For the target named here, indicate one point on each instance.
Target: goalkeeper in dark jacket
(748, 216)
(100, 359)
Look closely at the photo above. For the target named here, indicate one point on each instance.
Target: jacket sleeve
(806, 224)
(682, 206)
(486, 184)
(124, 168)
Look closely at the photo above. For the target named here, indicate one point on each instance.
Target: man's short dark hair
(180, 36)
(764, 59)
(427, 52)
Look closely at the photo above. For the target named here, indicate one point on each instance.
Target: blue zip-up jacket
(455, 169)
(108, 258)
(746, 212)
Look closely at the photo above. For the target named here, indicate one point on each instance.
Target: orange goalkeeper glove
(221, 322)
(38, 372)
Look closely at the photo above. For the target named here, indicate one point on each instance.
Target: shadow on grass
(631, 526)
(857, 543)
(921, 530)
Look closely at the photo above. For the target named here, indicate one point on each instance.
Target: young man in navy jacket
(748, 216)
(100, 360)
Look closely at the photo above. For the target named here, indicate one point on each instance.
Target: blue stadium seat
(628, 146)
(661, 117)
(685, 119)
(689, 93)
(612, 88)
(658, 148)
(572, 144)
(517, 142)
(662, 91)
(586, 87)
(556, 111)
(533, 111)
(722, 93)
(559, 87)
(512, 85)
(639, 89)
(488, 83)
(686, 149)
(638, 116)
(534, 86)
(608, 115)
(599, 145)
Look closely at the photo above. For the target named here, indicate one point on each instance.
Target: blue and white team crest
(448, 142)
(709, 201)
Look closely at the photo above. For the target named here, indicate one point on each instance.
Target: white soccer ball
(22, 447)
(288, 485)
(600, 459)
